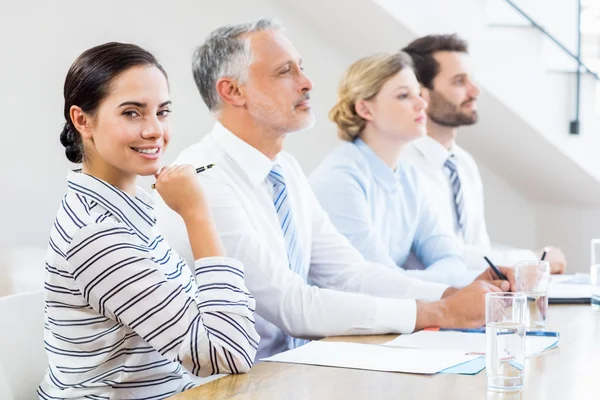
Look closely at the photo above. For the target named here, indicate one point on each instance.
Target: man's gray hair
(226, 54)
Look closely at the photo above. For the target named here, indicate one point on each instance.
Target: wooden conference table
(570, 371)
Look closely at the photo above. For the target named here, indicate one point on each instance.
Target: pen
(496, 270)
(198, 170)
(542, 333)
(471, 330)
(544, 253)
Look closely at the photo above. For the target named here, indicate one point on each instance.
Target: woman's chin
(148, 170)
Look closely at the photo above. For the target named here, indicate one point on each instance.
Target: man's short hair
(421, 51)
(226, 53)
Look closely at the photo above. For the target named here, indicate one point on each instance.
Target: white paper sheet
(372, 357)
(570, 287)
(473, 343)
(569, 291)
(578, 278)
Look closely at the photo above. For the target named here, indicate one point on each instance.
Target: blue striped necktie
(456, 192)
(283, 207)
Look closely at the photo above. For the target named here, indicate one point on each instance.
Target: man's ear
(230, 92)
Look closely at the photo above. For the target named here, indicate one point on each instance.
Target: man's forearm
(430, 314)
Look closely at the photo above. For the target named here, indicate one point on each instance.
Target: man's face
(277, 91)
(452, 99)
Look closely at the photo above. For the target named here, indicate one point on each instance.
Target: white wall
(509, 216)
(42, 38)
(573, 228)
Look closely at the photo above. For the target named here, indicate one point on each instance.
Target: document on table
(570, 289)
(466, 342)
(578, 279)
(373, 357)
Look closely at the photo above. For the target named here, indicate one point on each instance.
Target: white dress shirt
(429, 156)
(343, 301)
(125, 316)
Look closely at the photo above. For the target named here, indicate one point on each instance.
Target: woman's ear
(362, 108)
(81, 121)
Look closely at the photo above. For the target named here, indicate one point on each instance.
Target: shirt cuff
(464, 278)
(220, 270)
(432, 291)
(396, 315)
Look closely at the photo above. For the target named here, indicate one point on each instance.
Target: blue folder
(477, 365)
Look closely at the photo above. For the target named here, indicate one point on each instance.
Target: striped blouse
(126, 318)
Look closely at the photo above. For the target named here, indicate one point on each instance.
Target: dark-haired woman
(126, 318)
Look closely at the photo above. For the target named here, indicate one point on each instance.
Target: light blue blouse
(387, 214)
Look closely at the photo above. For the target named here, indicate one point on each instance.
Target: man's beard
(443, 112)
(273, 117)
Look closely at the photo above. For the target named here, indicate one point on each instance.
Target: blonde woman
(379, 205)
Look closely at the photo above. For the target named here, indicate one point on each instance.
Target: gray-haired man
(252, 80)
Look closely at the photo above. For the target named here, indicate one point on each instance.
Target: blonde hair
(362, 81)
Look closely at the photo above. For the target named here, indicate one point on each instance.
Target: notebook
(570, 289)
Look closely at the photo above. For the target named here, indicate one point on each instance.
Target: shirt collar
(433, 151)
(252, 162)
(381, 171)
(136, 212)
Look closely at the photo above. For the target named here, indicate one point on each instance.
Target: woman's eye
(164, 113)
(130, 113)
(403, 96)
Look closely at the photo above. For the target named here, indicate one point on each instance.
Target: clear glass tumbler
(595, 281)
(505, 336)
(533, 279)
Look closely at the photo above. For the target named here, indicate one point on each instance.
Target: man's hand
(464, 308)
(556, 259)
(490, 276)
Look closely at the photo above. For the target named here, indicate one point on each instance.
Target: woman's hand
(179, 188)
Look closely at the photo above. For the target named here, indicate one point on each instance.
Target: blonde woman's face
(398, 110)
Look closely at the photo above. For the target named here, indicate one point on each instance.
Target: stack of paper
(469, 343)
(579, 279)
(373, 357)
(570, 289)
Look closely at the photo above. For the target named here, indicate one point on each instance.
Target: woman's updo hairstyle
(88, 83)
(362, 81)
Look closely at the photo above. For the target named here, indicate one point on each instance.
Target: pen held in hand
(495, 269)
(544, 253)
(198, 170)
